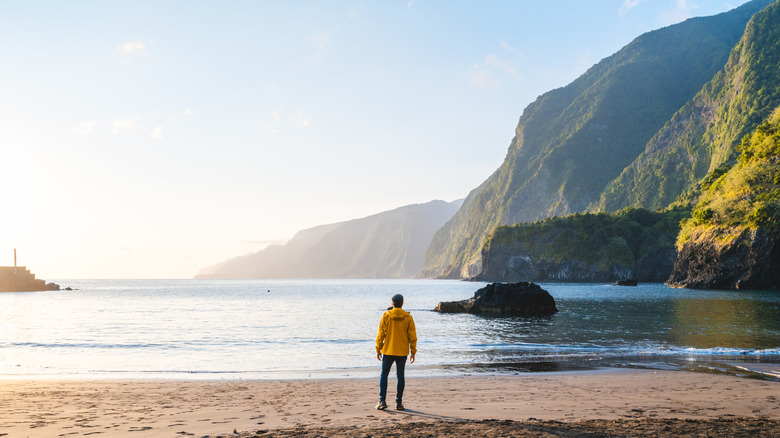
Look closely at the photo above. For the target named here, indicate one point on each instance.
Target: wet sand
(618, 402)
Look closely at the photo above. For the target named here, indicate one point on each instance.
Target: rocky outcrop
(627, 282)
(505, 299)
(508, 266)
(585, 248)
(728, 258)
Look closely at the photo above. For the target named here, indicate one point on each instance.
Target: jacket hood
(398, 313)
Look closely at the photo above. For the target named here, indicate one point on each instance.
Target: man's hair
(398, 300)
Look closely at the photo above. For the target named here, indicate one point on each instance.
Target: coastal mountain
(390, 244)
(732, 239)
(573, 143)
(702, 136)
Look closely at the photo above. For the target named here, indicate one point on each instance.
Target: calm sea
(236, 329)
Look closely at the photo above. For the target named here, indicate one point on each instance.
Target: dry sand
(616, 403)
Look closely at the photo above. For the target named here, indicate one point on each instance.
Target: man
(395, 338)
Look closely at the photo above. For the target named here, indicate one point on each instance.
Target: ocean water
(242, 329)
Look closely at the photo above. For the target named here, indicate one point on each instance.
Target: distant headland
(20, 279)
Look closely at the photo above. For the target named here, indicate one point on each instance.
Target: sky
(150, 139)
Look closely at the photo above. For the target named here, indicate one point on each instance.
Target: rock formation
(590, 248)
(627, 282)
(504, 299)
(719, 258)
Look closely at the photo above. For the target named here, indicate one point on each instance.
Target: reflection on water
(741, 322)
(650, 326)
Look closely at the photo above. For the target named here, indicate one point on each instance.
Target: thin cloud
(158, 132)
(487, 74)
(627, 6)
(188, 111)
(502, 64)
(125, 124)
(303, 119)
(321, 44)
(277, 114)
(483, 79)
(517, 53)
(280, 116)
(131, 48)
(86, 128)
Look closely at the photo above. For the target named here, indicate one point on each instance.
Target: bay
(235, 329)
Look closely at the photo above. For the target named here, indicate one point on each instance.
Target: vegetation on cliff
(572, 141)
(747, 194)
(732, 239)
(585, 247)
(703, 135)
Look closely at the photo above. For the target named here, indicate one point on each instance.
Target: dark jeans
(387, 362)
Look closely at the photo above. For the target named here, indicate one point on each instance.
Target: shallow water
(326, 328)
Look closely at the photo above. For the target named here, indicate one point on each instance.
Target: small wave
(84, 345)
(715, 351)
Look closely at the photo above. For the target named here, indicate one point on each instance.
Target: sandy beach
(628, 400)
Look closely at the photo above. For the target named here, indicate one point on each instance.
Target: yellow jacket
(396, 334)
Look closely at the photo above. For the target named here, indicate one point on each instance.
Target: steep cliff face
(728, 258)
(635, 244)
(732, 239)
(572, 141)
(702, 136)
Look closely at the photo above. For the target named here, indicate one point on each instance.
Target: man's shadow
(419, 414)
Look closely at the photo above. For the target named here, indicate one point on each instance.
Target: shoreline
(768, 370)
(165, 407)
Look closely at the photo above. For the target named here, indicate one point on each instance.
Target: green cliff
(630, 244)
(573, 142)
(732, 239)
(702, 136)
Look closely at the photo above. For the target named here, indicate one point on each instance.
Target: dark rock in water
(626, 282)
(52, 286)
(506, 299)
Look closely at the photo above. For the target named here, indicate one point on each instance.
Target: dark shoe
(399, 406)
(381, 406)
